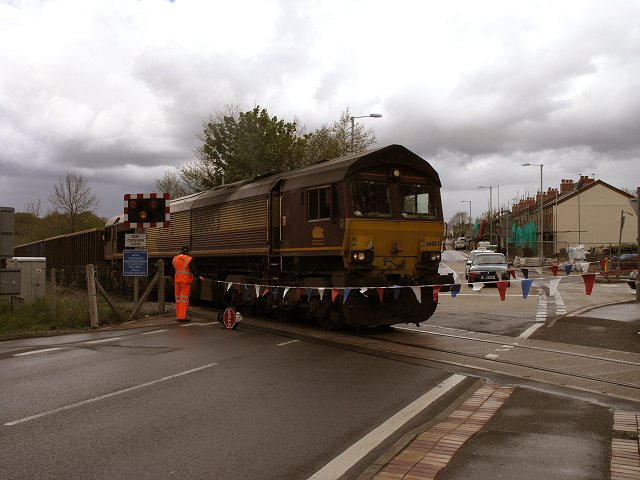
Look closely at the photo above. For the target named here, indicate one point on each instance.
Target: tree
(172, 184)
(240, 145)
(33, 208)
(73, 196)
(333, 141)
(459, 224)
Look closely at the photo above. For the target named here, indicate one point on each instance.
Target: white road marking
(491, 356)
(108, 395)
(287, 343)
(529, 331)
(105, 340)
(154, 331)
(561, 309)
(33, 352)
(189, 324)
(343, 462)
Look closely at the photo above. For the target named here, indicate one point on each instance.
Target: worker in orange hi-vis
(185, 270)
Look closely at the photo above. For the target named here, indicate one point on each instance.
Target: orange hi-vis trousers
(182, 291)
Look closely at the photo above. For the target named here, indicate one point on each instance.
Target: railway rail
(593, 370)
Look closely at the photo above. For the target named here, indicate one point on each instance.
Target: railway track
(599, 371)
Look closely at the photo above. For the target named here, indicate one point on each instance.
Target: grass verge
(67, 311)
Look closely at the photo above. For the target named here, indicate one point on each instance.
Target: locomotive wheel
(333, 318)
(365, 310)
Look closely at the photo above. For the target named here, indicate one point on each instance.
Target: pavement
(514, 433)
(510, 432)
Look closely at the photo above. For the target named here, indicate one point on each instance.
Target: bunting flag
(417, 293)
(502, 289)
(554, 269)
(539, 270)
(589, 280)
(436, 289)
(603, 264)
(553, 286)
(477, 280)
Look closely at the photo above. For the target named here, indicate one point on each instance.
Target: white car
(460, 243)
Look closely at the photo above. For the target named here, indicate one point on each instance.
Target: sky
(117, 90)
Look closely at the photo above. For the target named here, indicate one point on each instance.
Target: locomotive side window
(319, 204)
(370, 199)
(417, 201)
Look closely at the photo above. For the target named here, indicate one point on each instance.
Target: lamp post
(622, 214)
(490, 213)
(469, 202)
(372, 115)
(638, 242)
(540, 248)
(579, 187)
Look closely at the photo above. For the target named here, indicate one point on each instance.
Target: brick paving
(432, 450)
(625, 451)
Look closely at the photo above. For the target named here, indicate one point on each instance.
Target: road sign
(132, 240)
(135, 263)
(231, 318)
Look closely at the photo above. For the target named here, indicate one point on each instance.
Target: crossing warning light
(145, 210)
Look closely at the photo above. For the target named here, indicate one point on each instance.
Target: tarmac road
(484, 427)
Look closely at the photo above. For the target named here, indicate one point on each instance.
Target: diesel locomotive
(355, 240)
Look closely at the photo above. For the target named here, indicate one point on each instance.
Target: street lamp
(490, 214)
(372, 115)
(469, 202)
(540, 252)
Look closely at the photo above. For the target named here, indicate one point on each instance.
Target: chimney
(566, 186)
(551, 194)
(585, 180)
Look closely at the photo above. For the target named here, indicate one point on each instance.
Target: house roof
(563, 197)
